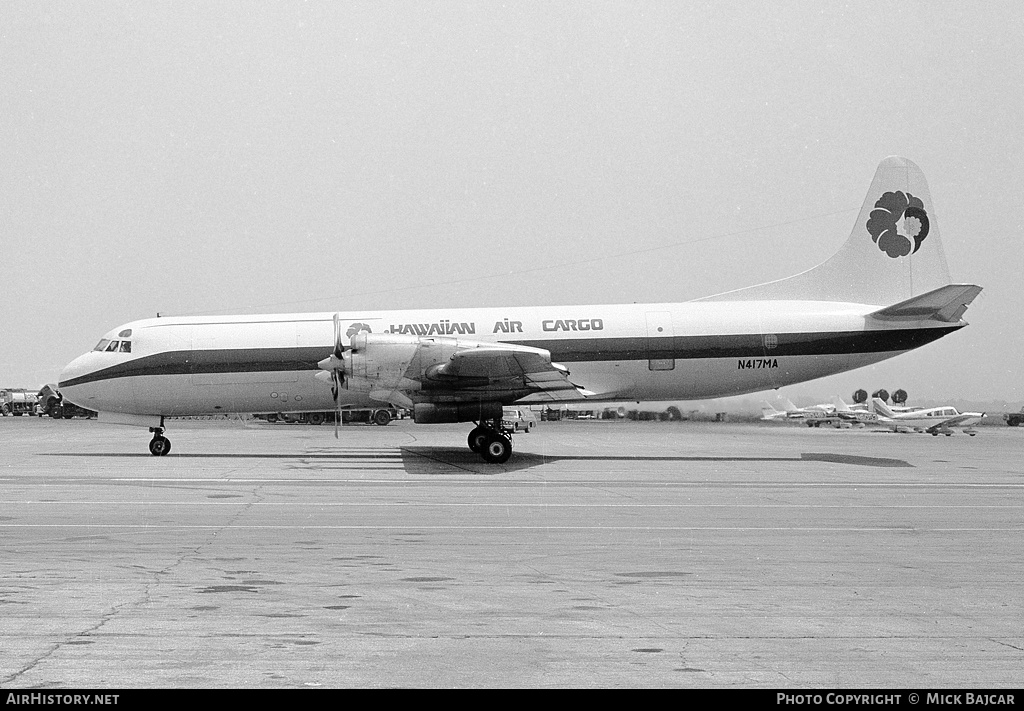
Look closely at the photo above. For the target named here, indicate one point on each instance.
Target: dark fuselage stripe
(564, 350)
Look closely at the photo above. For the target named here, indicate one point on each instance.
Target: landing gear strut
(491, 441)
(159, 445)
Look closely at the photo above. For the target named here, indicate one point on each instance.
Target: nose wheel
(159, 445)
(491, 442)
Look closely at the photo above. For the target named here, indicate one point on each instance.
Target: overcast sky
(244, 157)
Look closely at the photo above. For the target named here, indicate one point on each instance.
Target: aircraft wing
(952, 421)
(510, 367)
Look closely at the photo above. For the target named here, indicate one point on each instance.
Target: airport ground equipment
(17, 402)
(50, 402)
(376, 416)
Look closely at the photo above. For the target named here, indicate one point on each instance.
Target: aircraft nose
(70, 380)
(71, 372)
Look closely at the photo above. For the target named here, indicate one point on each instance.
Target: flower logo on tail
(898, 224)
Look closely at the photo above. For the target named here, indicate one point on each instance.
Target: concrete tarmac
(603, 554)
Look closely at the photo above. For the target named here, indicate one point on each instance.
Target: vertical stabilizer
(893, 253)
(880, 408)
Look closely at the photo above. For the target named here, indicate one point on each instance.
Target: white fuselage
(267, 363)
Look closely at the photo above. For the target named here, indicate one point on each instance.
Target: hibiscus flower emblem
(898, 224)
(358, 328)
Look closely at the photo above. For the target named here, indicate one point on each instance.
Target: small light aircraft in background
(814, 415)
(932, 420)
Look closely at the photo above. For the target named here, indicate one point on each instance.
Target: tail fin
(879, 407)
(788, 404)
(892, 255)
(768, 412)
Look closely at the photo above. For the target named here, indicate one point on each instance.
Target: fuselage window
(102, 345)
(126, 346)
(112, 348)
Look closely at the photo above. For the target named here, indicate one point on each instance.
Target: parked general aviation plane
(814, 415)
(885, 292)
(933, 420)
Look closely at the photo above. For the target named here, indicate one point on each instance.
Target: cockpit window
(112, 347)
(126, 346)
(126, 333)
(102, 345)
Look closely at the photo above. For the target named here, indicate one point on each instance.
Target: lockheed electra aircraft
(886, 291)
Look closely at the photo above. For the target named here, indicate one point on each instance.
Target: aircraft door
(660, 337)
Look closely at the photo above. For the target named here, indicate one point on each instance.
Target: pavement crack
(57, 646)
(1006, 644)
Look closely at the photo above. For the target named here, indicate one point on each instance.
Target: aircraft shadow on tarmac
(465, 459)
(440, 460)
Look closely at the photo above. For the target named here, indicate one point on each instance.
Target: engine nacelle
(379, 361)
(432, 414)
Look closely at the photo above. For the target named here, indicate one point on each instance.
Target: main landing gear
(491, 441)
(159, 445)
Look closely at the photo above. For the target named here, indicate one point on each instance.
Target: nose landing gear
(491, 441)
(159, 445)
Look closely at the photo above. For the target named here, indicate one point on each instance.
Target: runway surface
(604, 554)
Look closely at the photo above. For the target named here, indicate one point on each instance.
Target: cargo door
(660, 341)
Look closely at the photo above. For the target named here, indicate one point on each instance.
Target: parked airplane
(885, 292)
(856, 414)
(933, 420)
(814, 415)
(862, 412)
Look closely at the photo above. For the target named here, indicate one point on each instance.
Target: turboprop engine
(380, 362)
(467, 380)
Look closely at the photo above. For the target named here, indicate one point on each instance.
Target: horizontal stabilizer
(947, 303)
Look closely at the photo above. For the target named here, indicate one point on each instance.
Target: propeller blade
(337, 402)
(335, 365)
(339, 348)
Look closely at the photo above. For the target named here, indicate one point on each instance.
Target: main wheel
(477, 439)
(316, 418)
(159, 446)
(381, 417)
(497, 449)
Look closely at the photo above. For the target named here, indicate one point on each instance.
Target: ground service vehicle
(17, 401)
(51, 402)
(378, 416)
